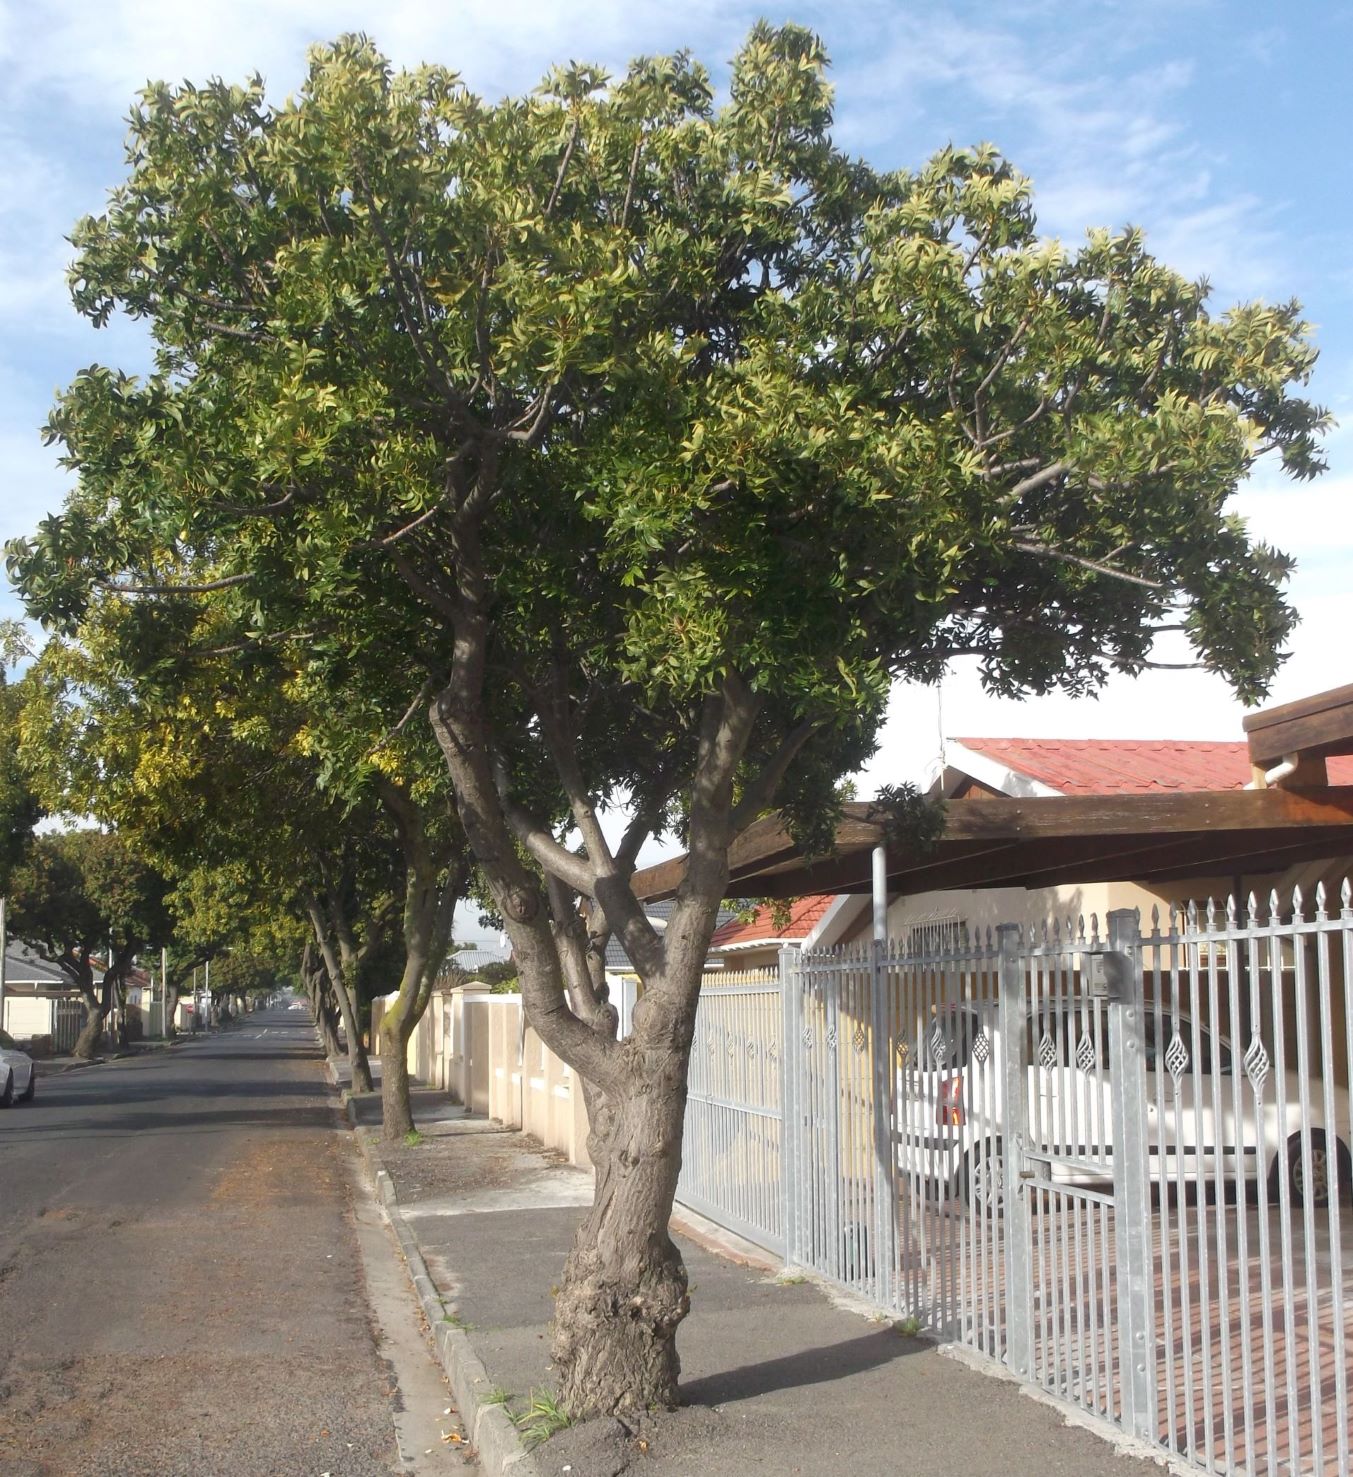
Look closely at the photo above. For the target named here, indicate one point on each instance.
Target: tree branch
(759, 794)
(206, 588)
(1046, 551)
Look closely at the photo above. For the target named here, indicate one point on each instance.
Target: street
(193, 1278)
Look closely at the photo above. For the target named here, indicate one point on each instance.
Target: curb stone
(495, 1441)
(46, 1067)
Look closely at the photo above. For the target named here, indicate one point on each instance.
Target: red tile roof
(1132, 766)
(804, 915)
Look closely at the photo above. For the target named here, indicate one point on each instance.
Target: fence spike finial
(1232, 909)
(1211, 913)
(1346, 894)
(1321, 899)
(1252, 905)
(1298, 904)
(1275, 908)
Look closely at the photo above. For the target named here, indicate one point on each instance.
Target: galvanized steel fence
(1116, 1163)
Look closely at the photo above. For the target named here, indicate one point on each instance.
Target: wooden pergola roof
(991, 842)
(1042, 841)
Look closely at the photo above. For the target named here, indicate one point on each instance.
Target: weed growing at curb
(543, 1417)
(456, 1321)
(497, 1396)
(909, 1328)
(412, 1139)
(791, 1279)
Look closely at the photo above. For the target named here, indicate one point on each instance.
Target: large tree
(652, 440)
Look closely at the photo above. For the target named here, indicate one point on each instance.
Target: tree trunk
(91, 1033)
(171, 1010)
(624, 1290)
(396, 1106)
(325, 1012)
(120, 994)
(359, 1067)
(326, 1016)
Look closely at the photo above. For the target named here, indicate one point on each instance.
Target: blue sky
(1218, 126)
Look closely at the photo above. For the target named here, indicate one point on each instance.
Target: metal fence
(1117, 1163)
(733, 1154)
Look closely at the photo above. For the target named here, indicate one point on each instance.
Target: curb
(45, 1067)
(495, 1441)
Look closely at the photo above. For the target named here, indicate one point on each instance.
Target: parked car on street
(18, 1080)
(1202, 1122)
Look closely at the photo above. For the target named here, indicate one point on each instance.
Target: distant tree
(645, 442)
(82, 894)
(20, 810)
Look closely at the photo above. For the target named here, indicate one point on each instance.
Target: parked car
(953, 1124)
(18, 1080)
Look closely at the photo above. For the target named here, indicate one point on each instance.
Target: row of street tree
(516, 482)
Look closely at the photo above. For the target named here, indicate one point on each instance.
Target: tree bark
(171, 1010)
(432, 887)
(624, 1290)
(359, 1066)
(316, 985)
(326, 1019)
(91, 1033)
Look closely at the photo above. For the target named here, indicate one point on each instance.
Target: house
(754, 941)
(39, 999)
(619, 969)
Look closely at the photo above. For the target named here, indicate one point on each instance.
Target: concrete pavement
(186, 1276)
(780, 1376)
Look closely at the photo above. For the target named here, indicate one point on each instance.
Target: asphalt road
(183, 1289)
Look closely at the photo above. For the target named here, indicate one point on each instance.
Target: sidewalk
(778, 1376)
(50, 1066)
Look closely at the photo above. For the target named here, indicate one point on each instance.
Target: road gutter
(496, 1443)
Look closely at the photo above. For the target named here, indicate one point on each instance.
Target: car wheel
(26, 1096)
(981, 1181)
(1318, 1186)
(7, 1091)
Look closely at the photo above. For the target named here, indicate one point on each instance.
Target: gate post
(885, 1146)
(790, 1114)
(1132, 1182)
(1013, 1017)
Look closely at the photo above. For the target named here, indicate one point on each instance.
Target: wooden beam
(764, 862)
(1319, 726)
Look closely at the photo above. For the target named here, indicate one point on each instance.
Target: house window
(933, 935)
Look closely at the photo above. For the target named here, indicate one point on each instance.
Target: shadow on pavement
(816, 1366)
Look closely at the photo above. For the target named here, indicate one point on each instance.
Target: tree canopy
(641, 443)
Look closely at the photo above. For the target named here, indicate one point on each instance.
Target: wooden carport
(1291, 816)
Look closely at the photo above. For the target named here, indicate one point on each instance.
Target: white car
(953, 1122)
(18, 1080)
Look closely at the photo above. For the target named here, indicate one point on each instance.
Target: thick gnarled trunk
(624, 1291)
(91, 1033)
